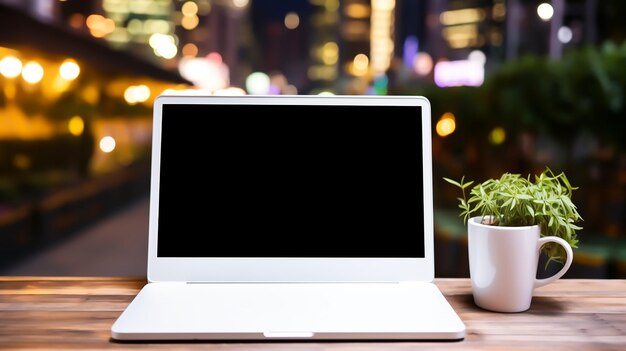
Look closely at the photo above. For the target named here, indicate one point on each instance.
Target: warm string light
(381, 35)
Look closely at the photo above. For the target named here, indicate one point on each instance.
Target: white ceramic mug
(503, 264)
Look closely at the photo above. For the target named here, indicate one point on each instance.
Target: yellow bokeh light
(360, 64)
(189, 8)
(454, 17)
(10, 67)
(107, 144)
(386, 5)
(32, 72)
(240, 3)
(69, 70)
(497, 136)
(331, 5)
(136, 93)
(76, 125)
(135, 26)
(91, 94)
(156, 26)
(129, 95)
(330, 53)
(292, 20)
(163, 45)
(446, 124)
(190, 22)
(357, 10)
(498, 12)
(142, 93)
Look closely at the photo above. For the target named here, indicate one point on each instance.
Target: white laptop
(290, 218)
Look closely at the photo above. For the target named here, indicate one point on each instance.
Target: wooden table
(57, 313)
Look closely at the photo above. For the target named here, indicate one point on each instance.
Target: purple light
(411, 46)
(274, 90)
(459, 73)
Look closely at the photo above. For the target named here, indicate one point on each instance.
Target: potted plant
(510, 220)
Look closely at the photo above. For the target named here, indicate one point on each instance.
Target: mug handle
(568, 260)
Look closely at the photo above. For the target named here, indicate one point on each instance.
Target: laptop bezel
(274, 269)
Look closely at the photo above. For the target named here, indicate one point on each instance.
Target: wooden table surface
(57, 313)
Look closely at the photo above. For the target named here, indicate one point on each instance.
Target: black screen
(291, 181)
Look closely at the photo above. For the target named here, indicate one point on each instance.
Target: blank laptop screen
(291, 181)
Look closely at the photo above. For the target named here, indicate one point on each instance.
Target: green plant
(513, 200)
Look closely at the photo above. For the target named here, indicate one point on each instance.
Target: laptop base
(289, 311)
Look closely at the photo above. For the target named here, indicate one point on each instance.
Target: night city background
(515, 86)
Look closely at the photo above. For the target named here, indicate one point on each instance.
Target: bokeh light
(190, 50)
(77, 21)
(360, 63)
(142, 93)
(278, 81)
(330, 53)
(459, 73)
(69, 70)
(190, 22)
(156, 26)
(189, 8)
(565, 34)
(100, 26)
(292, 20)
(497, 136)
(240, 3)
(545, 11)
(76, 125)
(423, 63)
(32, 72)
(107, 144)
(477, 56)
(258, 83)
(10, 67)
(134, 26)
(446, 124)
(208, 72)
(163, 45)
(215, 57)
(290, 89)
(136, 93)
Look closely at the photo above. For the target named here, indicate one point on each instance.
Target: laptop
(290, 218)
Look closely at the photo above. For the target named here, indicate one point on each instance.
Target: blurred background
(515, 86)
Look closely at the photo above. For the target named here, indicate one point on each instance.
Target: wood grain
(57, 313)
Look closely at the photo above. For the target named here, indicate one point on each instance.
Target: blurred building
(311, 46)
(75, 122)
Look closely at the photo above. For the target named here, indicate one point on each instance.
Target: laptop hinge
(303, 282)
